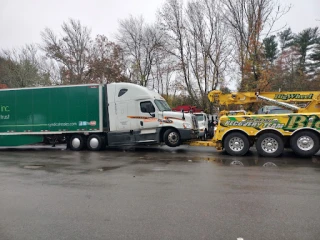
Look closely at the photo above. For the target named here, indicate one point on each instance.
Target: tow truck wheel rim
(269, 145)
(236, 144)
(305, 143)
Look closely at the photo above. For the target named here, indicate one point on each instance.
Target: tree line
(193, 47)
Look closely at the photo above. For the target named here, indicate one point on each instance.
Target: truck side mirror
(150, 109)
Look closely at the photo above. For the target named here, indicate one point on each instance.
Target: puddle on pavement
(50, 167)
(260, 162)
(103, 169)
(33, 166)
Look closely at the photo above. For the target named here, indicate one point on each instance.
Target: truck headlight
(187, 125)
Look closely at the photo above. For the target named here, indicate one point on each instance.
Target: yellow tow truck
(271, 133)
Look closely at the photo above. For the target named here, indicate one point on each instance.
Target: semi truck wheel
(95, 142)
(305, 143)
(269, 145)
(171, 138)
(76, 142)
(236, 144)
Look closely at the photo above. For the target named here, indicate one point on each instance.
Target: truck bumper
(201, 134)
(188, 134)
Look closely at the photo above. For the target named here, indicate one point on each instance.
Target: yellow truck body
(270, 133)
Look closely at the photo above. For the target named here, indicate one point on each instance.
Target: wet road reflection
(46, 158)
(187, 193)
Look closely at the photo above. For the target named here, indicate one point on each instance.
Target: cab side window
(147, 107)
(122, 91)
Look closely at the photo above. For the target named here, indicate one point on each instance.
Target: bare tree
(71, 50)
(209, 45)
(249, 19)
(23, 67)
(162, 73)
(197, 37)
(140, 43)
(106, 63)
(172, 22)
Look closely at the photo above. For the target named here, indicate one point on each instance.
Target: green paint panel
(23, 115)
(18, 140)
(41, 113)
(52, 109)
(7, 109)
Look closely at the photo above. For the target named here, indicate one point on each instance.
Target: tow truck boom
(283, 99)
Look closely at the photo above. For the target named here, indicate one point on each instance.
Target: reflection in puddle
(316, 160)
(261, 162)
(33, 166)
(236, 163)
(103, 169)
(269, 164)
(159, 169)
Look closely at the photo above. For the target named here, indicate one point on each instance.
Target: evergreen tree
(304, 42)
(315, 59)
(270, 48)
(286, 38)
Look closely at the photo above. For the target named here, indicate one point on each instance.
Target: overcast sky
(21, 21)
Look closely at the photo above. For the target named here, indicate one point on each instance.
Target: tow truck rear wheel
(305, 143)
(171, 138)
(236, 144)
(270, 145)
(77, 142)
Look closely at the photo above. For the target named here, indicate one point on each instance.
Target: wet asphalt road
(157, 193)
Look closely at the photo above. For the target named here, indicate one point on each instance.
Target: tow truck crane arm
(283, 99)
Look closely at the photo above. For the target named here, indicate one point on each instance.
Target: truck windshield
(199, 117)
(162, 105)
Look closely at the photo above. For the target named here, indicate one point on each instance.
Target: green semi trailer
(92, 116)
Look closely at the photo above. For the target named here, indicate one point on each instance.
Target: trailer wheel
(95, 142)
(171, 138)
(236, 144)
(270, 145)
(77, 142)
(305, 143)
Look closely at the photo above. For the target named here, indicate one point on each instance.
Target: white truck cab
(203, 122)
(141, 116)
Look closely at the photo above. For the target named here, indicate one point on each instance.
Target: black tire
(236, 144)
(172, 138)
(270, 145)
(305, 143)
(95, 142)
(76, 142)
